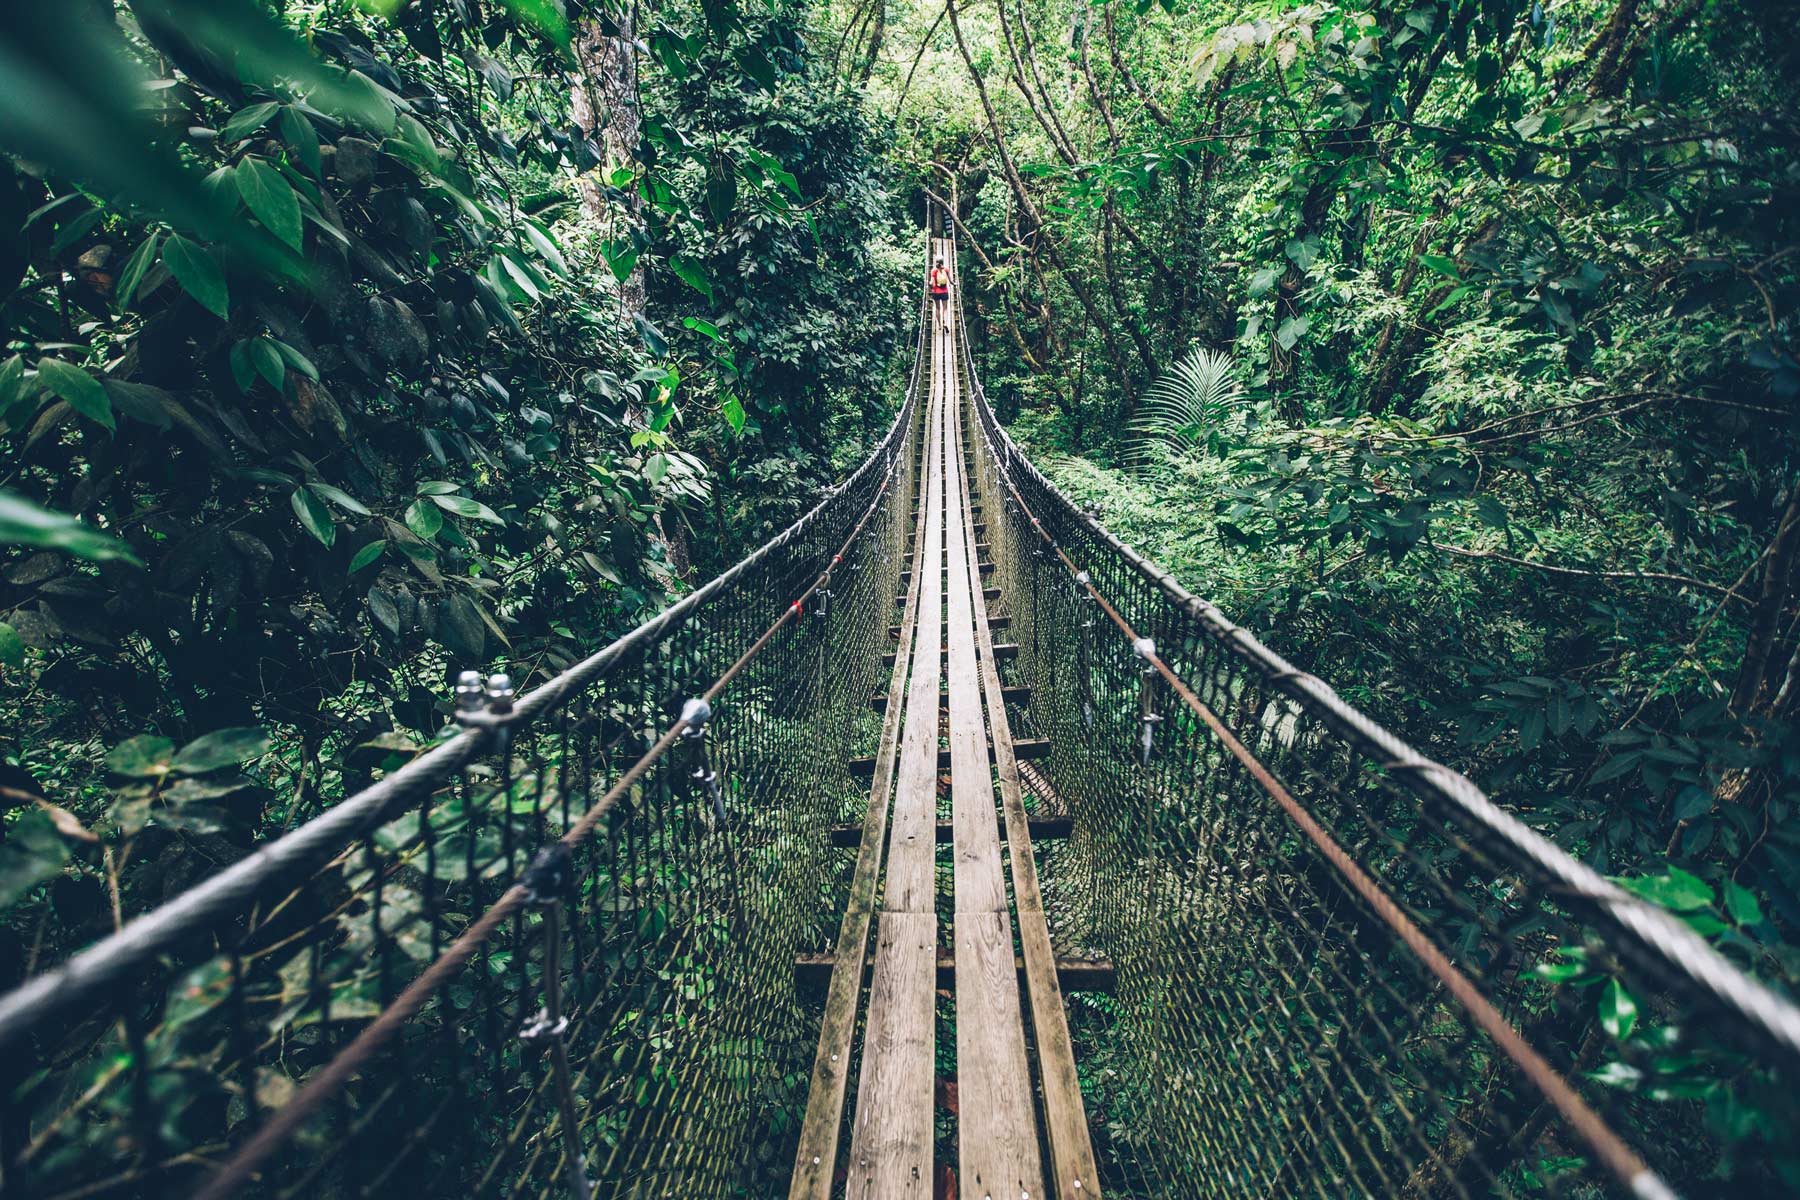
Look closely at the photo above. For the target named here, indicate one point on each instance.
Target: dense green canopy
(1450, 345)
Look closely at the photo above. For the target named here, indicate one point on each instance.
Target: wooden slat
(1041, 828)
(1014, 695)
(891, 1133)
(997, 1143)
(1024, 748)
(814, 971)
(815, 1160)
(1073, 1174)
(891, 1138)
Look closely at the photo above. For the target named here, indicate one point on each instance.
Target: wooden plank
(1018, 694)
(891, 1139)
(980, 881)
(814, 971)
(815, 1159)
(1041, 828)
(911, 884)
(997, 1142)
(891, 1133)
(1073, 1175)
(1024, 748)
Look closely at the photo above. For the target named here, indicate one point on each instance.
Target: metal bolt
(469, 692)
(500, 693)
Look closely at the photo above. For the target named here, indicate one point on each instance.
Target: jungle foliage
(329, 371)
(1515, 464)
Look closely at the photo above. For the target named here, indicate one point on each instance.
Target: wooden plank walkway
(1018, 1137)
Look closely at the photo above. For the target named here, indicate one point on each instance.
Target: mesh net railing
(341, 1014)
(1341, 970)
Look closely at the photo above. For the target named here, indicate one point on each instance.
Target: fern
(1185, 407)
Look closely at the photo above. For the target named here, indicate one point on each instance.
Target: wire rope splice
(546, 881)
(696, 714)
(1148, 717)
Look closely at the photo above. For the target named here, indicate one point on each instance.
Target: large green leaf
(271, 198)
(313, 516)
(462, 506)
(341, 498)
(32, 852)
(195, 269)
(83, 392)
(221, 748)
(23, 523)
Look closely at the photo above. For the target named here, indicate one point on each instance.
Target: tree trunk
(605, 102)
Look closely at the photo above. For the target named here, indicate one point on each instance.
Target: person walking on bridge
(940, 292)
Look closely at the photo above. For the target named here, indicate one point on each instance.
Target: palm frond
(1186, 403)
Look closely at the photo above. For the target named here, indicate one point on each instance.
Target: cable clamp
(542, 1029)
(484, 704)
(546, 880)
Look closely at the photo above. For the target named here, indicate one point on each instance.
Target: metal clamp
(695, 716)
(1148, 717)
(484, 704)
(546, 880)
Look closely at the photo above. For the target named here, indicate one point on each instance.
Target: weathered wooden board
(815, 1161)
(997, 1141)
(1073, 1174)
(891, 1138)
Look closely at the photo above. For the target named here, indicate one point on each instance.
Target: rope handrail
(355, 922)
(1683, 950)
(1486, 928)
(311, 845)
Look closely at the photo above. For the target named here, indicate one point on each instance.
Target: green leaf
(341, 498)
(621, 257)
(1618, 1011)
(271, 198)
(1442, 265)
(692, 274)
(12, 383)
(268, 362)
(1677, 890)
(220, 749)
(300, 136)
(23, 523)
(145, 756)
(135, 268)
(366, 555)
(733, 409)
(246, 121)
(195, 269)
(313, 516)
(295, 359)
(1292, 330)
(424, 519)
(541, 241)
(438, 487)
(705, 329)
(12, 647)
(83, 392)
(32, 852)
(462, 506)
(546, 16)
(1741, 903)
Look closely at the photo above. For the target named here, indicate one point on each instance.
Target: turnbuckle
(696, 714)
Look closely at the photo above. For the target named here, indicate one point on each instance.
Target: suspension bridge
(808, 885)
